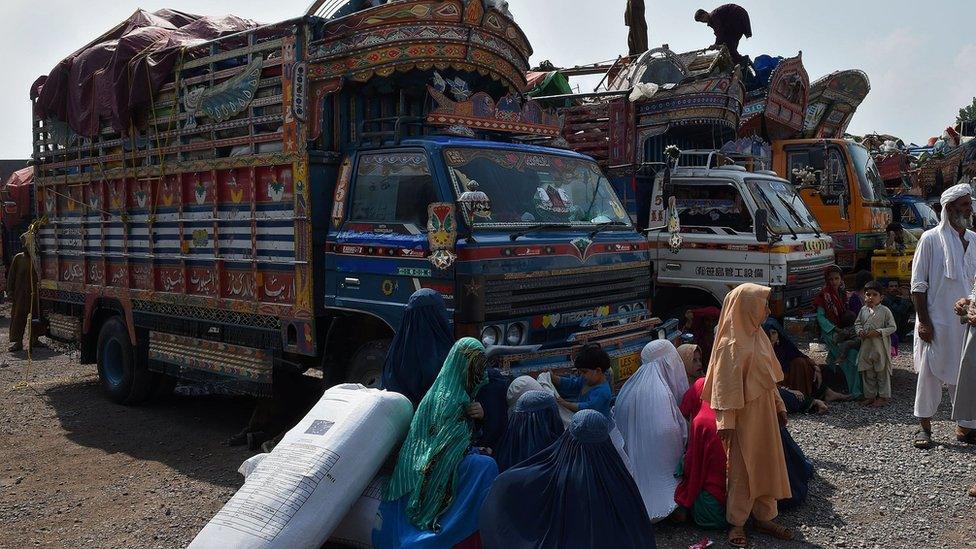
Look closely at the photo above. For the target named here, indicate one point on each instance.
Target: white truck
(737, 225)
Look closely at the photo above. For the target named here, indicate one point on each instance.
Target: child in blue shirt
(591, 385)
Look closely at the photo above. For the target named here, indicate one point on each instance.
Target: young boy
(591, 385)
(874, 327)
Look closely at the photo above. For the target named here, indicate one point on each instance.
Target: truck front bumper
(622, 336)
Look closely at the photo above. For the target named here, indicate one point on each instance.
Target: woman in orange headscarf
(741, 386)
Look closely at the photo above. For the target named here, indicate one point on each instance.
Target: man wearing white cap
(943, 271)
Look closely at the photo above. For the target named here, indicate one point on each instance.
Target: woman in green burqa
(435, 492)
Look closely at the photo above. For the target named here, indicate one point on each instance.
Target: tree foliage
(967, 113)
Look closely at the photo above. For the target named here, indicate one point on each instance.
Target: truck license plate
(627, 365)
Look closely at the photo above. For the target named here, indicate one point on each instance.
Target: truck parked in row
(284, 193)
(840, 184)
(738, 223)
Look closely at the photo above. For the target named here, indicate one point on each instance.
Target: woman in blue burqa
(439, 483)
(575, 493)
(533, 425)
(419, 347)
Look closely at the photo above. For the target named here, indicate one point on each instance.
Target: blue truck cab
(546, 259)
(914, 213)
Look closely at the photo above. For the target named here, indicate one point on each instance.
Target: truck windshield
(929, 217)
(786, 209)
(529, 188)
(868, 176)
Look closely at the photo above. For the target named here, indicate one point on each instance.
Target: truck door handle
(353, 282)
(673, 266)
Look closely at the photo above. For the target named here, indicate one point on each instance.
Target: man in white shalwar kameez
(943, 271)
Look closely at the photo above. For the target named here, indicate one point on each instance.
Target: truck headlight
(490, 335)
(514, 334)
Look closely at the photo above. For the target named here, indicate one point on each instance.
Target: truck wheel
(121, 367)
(366, 366)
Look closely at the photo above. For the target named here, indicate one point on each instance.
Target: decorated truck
(840, 183)
(737, 222)
(16, 216)
(266, 200)
(837, 178)
(735, 226)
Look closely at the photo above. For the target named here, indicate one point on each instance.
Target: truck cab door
(378, 246)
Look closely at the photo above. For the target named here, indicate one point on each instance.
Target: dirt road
(79, 471)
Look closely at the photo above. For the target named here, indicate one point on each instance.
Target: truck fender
(94, 301)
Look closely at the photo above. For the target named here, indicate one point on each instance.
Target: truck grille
(571, 290)
(805, 281)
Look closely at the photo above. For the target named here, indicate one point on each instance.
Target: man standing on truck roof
(22, 287)
(942, 272)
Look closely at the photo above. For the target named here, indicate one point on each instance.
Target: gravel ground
(79, 471)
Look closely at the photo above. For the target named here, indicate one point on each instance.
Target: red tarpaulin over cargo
(16, 190)
(119, 72)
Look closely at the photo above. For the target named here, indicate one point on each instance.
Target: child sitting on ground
(874, 327)
(591, 385)
(846, 336)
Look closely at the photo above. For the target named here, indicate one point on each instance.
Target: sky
(919, 56)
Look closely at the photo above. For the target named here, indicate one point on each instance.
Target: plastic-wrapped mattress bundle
(298, 494)
(356, 528)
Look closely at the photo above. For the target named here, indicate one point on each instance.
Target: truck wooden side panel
(210, 222)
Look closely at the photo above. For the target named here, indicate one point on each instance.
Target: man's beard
(962, 221)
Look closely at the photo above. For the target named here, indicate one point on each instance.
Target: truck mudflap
(623, 336)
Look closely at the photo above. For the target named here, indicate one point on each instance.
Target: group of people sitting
(861, 330)
(560, 461)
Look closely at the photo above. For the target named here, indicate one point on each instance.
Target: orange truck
(840, 184)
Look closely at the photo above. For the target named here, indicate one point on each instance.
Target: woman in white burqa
(653, 429)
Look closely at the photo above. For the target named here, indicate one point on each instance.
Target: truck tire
(366, 366)
(122, 368)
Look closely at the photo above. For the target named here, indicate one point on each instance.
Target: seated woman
(438, 485)
(493, 399)
(703, 322)
(654, 432)
(691, 356)
(533, 425)
(518, 387)
(672, 366)
(800, 373)
(419, 346)
(702, 490)
(574, 494)
(798, 468)
(831, 306)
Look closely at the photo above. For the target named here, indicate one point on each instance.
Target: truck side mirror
(762, 220)
(816, 157)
